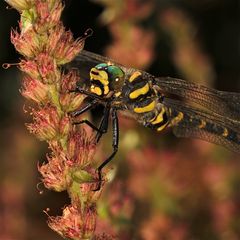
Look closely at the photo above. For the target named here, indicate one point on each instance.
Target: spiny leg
(103, 126)
(115, 141)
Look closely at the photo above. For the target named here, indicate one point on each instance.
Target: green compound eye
(102, 66)
(112, 70)
(115, 72)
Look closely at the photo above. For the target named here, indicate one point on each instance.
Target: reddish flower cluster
(75, 224)
(45, 46)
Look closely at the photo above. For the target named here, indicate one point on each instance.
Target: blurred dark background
(176, 188)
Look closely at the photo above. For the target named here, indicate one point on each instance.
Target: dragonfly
(189, 109)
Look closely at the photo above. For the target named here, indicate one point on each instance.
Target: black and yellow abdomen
(143, 102)
(192, 124)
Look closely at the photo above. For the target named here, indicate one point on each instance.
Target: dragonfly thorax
(106, 78)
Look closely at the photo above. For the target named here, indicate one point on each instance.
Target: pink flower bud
(47, 68)
(34, 90)
(55, 38)
(66, 48)
(30, 67)
(49, 13)
(53, 173)
(75, 223)
(27, 43)
(46, 123)
(44, 69)
(71, 102)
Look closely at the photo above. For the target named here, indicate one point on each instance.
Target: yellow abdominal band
(147, 108)
(134, 76)
(140, 91)
(159, 119)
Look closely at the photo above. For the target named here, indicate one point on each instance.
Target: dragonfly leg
(87, 122)
(103, 126)
(115, 141)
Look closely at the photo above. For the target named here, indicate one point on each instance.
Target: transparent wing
(196, 123)
(220, 102)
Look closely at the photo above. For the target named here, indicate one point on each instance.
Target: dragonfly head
(106, 78)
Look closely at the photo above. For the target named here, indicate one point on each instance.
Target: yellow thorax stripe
(134, 76)
(96, 90)
(141, 91)
(106, 90)
(147, 108)
(117, 94)
(102, 77)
